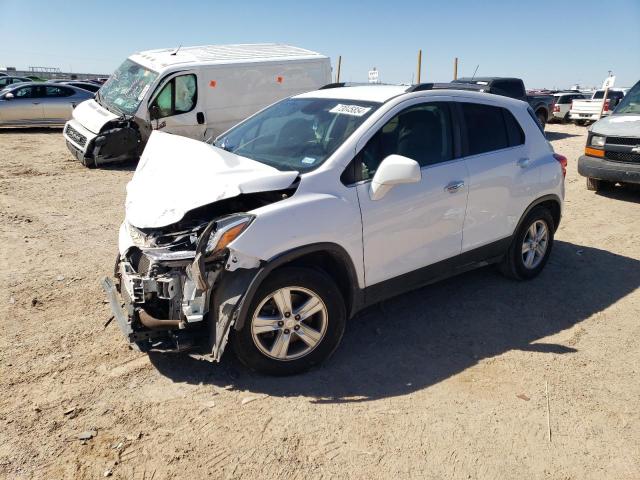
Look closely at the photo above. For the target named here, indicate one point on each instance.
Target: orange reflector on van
(279, 79)
(213, 83)
(593, 152)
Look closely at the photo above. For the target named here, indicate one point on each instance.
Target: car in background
(562, 105)
(8, 80)
(36, 104)
(612, 153)
(542, 105)
(587, 111)
(2, 74)
(90, 87)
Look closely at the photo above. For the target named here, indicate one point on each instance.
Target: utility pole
(339, 66)
(419, 65)
(455, 68)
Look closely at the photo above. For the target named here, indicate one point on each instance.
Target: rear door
(501, 174)
(176, 101)
(24, 108)
(58, 103)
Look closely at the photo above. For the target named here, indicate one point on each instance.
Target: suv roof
(382, 93)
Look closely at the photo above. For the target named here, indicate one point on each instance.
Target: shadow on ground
(56, 130)
(421, 338)
(559, 135)
(627, 193)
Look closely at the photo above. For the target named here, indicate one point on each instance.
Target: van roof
(222, 54)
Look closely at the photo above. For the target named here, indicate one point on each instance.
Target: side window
(485, 128)
(422, 133)
(508, 88)
(24, 92)
(58, 92)
(514, 130)
(178, 96)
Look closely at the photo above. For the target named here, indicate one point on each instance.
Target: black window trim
(465, 136)
(161, 85)
(349, 179)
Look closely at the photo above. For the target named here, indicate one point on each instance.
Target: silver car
(37, 104)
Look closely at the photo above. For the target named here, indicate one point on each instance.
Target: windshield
(297, 134)
(630, 102)
(126, 88)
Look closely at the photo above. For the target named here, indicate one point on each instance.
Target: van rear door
(175, 106)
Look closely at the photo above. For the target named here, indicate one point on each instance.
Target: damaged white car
(320, 205)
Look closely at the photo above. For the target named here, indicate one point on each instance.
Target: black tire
(88, 162)
(513, 265)
(542, 118)
(566, 119)
(596, 185)
(582, 123)
(323, 287)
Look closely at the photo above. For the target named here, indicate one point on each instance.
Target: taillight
(556, 108)
(606, 106)
(562, 160)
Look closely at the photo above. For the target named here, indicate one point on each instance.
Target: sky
(552, 44)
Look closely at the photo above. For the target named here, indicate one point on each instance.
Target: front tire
(531, 246)
(295, 321)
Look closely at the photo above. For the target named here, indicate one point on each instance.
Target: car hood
(626, 125)
(177, 174)
(92, 116)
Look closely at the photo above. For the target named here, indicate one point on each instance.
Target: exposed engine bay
(172, 277)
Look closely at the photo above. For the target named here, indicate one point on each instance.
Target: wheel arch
(551, 202)
(328, 257)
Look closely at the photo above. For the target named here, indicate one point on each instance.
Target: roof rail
(445, 86)
(332, 85)
(419, 87)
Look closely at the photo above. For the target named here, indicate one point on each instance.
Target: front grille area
(623, 141)
(76, 136)
(626, 157)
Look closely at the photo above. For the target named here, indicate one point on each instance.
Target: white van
(197, 92)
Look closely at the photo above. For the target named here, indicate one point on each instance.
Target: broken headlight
(226, 231)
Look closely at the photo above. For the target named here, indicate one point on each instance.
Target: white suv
(322, 204)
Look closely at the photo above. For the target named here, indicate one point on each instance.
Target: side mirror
(154, 112)
(8, 96)
(394, 170)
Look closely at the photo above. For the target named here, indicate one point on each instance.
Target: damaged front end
(167, 279)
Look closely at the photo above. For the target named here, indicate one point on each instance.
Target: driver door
(417, 224)
(177, 108)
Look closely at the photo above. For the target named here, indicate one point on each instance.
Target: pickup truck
(542, 105)
(583, 111)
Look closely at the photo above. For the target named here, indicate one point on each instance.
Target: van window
(421, 133)
(486, 129)
(179, 95)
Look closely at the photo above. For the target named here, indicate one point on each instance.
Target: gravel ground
(449, 381)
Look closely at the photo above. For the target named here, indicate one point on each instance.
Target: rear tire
(260, 345)
(531, 246)
(542, 119)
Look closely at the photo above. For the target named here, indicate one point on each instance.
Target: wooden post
(339, 65)
(604, 101)
(419, 65)
(455, 68)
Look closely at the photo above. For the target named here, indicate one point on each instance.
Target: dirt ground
(446, 382)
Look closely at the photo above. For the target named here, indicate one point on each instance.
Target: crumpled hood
(177, 174)
(618, 125)
(92, 116)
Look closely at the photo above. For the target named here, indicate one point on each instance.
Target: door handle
(200, 118)
(453, 187)
(524, 162)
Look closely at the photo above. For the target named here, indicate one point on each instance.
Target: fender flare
(356, 296)
(534, 204)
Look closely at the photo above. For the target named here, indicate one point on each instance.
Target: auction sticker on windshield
(354, 110)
